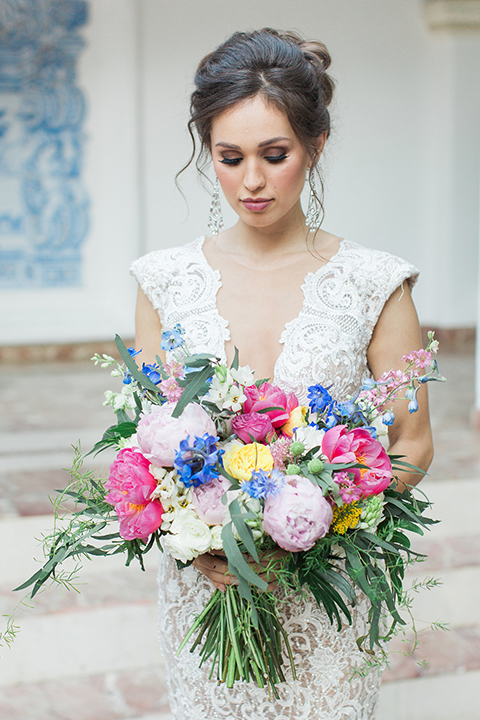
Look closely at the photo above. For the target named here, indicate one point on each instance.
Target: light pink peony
(344, 446)
(207, 500)
(159, 434)
(270, 396)
(131, 484)
(298, 515)
(254, 424)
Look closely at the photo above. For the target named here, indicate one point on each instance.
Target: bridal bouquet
(211, 460)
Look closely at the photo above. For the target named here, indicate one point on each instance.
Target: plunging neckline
(309, 277)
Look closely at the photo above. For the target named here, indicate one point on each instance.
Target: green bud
(297, 448)
(293, 469)
(221, 372)
(315, 466)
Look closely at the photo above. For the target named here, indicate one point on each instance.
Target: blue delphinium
(172, 339)
(263, 484)
(151, 371)
(196, 464)
(320, 398)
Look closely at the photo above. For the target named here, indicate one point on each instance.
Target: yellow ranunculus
(297, 419)
(241, 460)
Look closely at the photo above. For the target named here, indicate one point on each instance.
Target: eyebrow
(260, 145)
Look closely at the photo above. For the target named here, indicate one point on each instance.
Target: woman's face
(259, 161)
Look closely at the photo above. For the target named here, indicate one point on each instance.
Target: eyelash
(271, 159)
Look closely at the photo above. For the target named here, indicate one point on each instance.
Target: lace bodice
(326, 343)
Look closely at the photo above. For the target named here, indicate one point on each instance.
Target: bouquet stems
(242, 649)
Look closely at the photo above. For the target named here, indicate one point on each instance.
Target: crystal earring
(215, 217)
(313, 218)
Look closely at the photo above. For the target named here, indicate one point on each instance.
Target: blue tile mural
(43, 204)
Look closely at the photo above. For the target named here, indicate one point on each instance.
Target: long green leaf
(195, 382)
(237, 561)
(140, 377)
(245, 533)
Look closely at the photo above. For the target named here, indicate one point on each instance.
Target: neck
(282, 238)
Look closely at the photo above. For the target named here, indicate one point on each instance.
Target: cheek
(227, 178)
(291, 178)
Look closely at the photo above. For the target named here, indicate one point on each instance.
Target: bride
(302, 306)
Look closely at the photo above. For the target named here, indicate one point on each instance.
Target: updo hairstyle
(283, 68)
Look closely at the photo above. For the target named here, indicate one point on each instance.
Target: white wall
(104, 304)
(401, 165)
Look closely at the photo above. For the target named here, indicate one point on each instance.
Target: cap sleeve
(151, 274)
(386, 273)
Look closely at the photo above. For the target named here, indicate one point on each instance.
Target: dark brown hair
(285, 69)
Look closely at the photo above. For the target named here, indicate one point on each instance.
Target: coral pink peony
(130, 486)
(358, 446)
(207, 500)
(252, 426)
(298, 515)
(270, 396)
(159, 434)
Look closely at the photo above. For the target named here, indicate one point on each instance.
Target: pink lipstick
(257, 205)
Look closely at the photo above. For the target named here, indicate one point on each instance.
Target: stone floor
(94, 656)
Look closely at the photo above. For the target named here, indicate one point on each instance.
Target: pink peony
(267, 396)
(344, 446)
(159, 434)
(254, 424)
(207, 500)
(131, 484)
(298, 515)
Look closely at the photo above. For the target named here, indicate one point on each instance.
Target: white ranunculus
(311, 437)
(189, 536)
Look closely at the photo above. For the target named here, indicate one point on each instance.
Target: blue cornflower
(133, 353)
(263, 484)
(372, 430)
(172, 339)
(320, 398)
(196, 464)
(127, 378)
(151, 371)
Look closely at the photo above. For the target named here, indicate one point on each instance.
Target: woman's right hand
(214, 566)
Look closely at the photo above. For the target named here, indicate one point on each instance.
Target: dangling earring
(313, 218)
(215, 217)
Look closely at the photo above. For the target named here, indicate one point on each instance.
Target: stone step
(138, 694)
(444, 697)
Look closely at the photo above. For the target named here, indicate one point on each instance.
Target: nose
(254, 178)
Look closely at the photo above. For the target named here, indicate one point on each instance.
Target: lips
(258, 204)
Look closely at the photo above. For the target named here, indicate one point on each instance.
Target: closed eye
(269, 158)
(276, 158)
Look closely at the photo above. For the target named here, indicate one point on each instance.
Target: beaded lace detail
(327, 343)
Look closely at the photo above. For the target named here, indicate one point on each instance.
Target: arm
(148, 330)
(396, 333)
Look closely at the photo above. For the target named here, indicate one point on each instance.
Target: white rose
(217, 543)
(189, 536)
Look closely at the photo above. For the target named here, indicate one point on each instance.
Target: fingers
(215, 568)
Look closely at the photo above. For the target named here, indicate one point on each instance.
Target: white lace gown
(327, 343)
